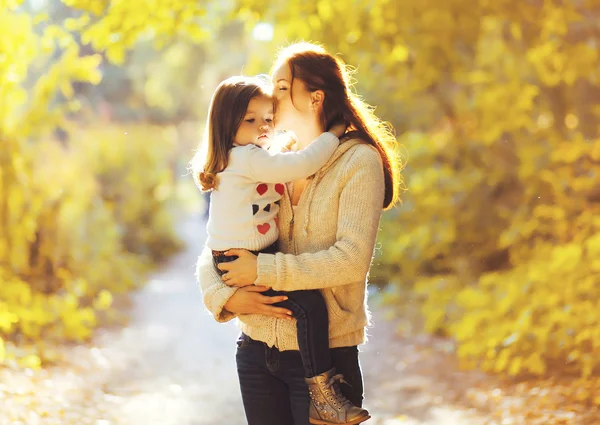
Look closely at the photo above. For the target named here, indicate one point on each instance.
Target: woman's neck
(307, 134)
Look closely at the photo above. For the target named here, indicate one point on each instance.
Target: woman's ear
(317, 98)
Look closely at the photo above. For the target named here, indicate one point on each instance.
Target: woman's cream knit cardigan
(326, 244)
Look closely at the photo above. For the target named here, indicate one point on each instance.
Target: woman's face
(288, 115)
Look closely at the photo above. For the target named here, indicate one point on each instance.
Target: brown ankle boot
(327, 404)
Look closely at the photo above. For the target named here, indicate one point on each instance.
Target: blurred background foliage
(100, 110)
(495, 104)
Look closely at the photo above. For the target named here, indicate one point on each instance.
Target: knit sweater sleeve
(214, 292)
(349, 259)
(269, 167)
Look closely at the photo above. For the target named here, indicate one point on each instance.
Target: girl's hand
(249, 300)
(286, 142)
(241, 272)
(339, 128)
(290, 145)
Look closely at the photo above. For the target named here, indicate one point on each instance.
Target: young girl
(246, 184)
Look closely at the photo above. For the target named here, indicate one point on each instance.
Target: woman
(328, 226)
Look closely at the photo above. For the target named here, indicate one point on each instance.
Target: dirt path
(177, 364)
(174, 365)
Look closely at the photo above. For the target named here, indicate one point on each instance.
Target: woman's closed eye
(250, 120)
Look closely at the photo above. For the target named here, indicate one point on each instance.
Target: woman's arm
(225, 303)
(215, 293)
(348, 260)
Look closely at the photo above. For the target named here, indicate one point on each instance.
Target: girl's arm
(269, 167)
(349, 259)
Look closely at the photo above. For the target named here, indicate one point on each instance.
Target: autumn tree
(495, 104)
(78, 222)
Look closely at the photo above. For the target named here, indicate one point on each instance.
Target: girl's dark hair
(227, 108)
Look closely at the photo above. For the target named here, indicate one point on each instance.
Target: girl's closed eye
(250, 120)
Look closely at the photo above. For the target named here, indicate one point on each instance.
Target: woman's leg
(345, 361)
(265, 395)
(310, 311)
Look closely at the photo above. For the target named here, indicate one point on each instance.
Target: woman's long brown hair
(320, 70)
(227, 108)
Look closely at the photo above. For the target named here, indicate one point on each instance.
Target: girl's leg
(345, 361)
(292, 372)
(310, 311)
(329, 402)
(266, 396)
(218, 259)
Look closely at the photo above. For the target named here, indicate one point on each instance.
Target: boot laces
(334, 379)
(332, 385)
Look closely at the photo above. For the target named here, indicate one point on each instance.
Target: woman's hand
(241, 272)
(249, 300)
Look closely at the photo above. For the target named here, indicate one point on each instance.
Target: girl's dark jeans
(272, 382)
(312, 321)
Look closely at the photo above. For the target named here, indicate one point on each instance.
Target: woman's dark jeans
(272, 382)
(310, 311)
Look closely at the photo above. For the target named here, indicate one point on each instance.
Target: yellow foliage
(134, 168)
(80, 220)
(124, 23)
(498, 235)
(71, 246)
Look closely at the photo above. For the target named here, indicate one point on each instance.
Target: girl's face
(288, 115)
(257, 126)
